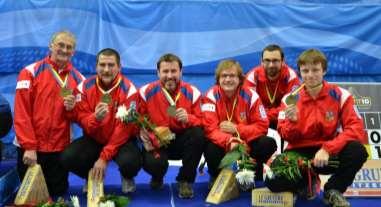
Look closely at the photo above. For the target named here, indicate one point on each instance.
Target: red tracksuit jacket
(153, 102)
(110, 132)
(249, 115)
(329, 121)
(40, 117)
(288, 80)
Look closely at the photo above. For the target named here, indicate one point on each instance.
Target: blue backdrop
(201, 32)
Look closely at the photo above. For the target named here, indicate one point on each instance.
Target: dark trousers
(351, 159)
(56, 177)
(261, 150)
(83, 152)
(188, 146)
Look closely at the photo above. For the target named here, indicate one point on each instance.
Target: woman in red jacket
(232, 114)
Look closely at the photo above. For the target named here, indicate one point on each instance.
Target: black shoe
(335, 199)
(156, 184)
(305, 193)
(185, 189)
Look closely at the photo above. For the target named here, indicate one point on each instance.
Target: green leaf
(230, 158)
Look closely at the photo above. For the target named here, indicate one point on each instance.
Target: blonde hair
(226, 64)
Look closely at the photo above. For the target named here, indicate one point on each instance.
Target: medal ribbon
(60, 82)
(108, 91)
(230, 117)
(272, 98)
(169, 98)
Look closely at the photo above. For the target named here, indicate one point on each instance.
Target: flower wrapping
(159, 136)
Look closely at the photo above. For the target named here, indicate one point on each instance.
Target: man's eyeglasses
(273, 61)
(224, 76)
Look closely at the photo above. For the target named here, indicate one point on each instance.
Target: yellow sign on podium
(33, 189)
(224, 188)
(264, 197)
(94, 191)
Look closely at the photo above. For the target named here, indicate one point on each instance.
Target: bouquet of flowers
(159, 136)
(113, 201)
(292, 165)
(246, 165)
(74, 202)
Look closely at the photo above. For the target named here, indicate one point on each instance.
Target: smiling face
(229, 80)
(169, 74)
(107, 68)
(62, 48)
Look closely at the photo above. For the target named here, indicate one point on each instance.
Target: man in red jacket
(233, 114)
(105, 137)
(272, 80)
(43, 96)
(173, 103)
(321, 123)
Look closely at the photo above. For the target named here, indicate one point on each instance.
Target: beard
(171, 84)
(272, 72)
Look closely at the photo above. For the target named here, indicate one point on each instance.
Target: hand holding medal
(181, 115)
(291, 98)
(101, 110)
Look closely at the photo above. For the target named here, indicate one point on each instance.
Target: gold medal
(106, 98)
(171, 111)
(66, 92)
(291, 100)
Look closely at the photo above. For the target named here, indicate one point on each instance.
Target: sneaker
(128, 185)
(185, 189)
(84, 187)
(335, 199)
(156, 184)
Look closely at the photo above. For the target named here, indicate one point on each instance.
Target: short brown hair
(169, 57)
(313, 56)
(109, 52)
(229, 63)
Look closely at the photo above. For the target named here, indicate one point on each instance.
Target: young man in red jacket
(272, 80)
(105, 137)
(323, 123)
(233, 114)
(173, 103)
(43, 97)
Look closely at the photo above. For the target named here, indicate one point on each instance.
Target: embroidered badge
(329, 116)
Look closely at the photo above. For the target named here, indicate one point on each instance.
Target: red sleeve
(352, 125)
(272, 113)
(258, 125)
(23, 111)
(211, 124)
(121, 134)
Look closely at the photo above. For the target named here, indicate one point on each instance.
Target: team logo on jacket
(242, 116)
(329, 116)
